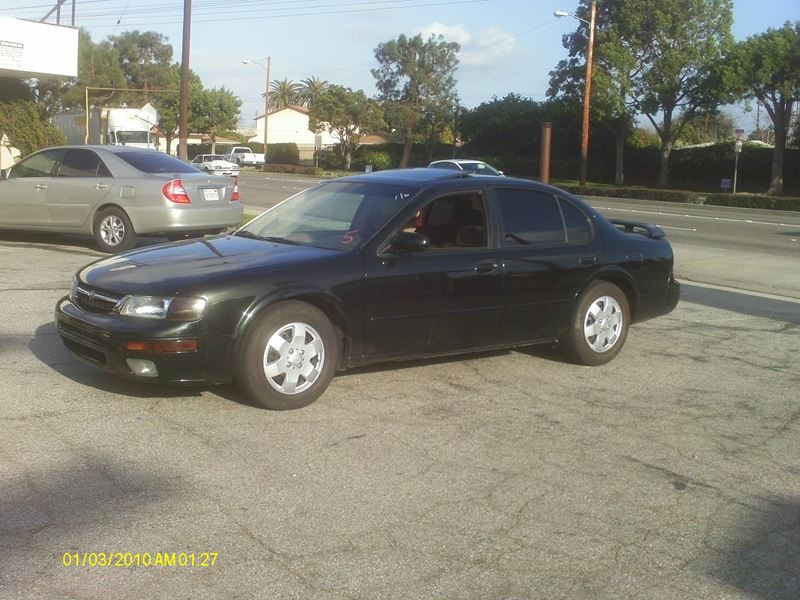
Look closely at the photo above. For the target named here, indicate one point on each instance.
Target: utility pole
(587, 98)
(183, 117)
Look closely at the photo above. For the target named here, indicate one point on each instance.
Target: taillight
(235, 194)
(175, 192)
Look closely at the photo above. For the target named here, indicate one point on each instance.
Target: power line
(305, 14)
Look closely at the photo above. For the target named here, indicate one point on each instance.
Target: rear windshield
(155, 162)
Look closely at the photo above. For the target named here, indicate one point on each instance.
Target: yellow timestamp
(128, 560)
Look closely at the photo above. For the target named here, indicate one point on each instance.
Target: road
(740, 248)
(669, 473)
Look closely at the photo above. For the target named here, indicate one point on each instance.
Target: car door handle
(488, 266)
(41, 186)
(100, 186)
(587, 260)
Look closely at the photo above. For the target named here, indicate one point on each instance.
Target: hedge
(685, 197)
(294, 169)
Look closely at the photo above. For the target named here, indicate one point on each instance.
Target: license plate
(211, 194)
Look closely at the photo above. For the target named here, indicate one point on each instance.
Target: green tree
(12, 89)
(502, 125)
(311, 88)
(415, 77)
(215, 110)
(27, 129)
(347, 115)
(145, 58)
(681, 43)
(616, 63)
(283, 93)
(701, 128)
(767, 66)
(168, 104)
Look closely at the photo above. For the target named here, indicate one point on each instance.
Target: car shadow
(742, 303)
(762, 555)
(68, 242)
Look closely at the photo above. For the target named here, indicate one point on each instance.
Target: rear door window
(579, 228)
(82, 163)
(155, 162)
(530, 217)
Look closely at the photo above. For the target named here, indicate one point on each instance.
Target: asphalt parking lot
(670, 473)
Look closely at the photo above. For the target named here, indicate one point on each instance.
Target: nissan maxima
(378, 267)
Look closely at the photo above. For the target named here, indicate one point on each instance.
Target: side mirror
(409, 241)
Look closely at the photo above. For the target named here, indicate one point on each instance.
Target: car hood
(168, 269)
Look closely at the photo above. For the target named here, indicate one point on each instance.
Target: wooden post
(544, 153)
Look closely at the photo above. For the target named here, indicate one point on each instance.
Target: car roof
(426, 176)
(418, 176)
(460, 161)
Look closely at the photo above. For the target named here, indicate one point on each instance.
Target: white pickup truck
(244, 157)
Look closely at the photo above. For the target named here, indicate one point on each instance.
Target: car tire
(113, 230)
(599, 325)
(288, 356)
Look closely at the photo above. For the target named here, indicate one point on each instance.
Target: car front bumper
(99, 340)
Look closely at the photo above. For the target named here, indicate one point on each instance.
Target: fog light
(143, 368)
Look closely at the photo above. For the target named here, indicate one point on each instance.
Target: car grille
(83, 340)
(94, 301)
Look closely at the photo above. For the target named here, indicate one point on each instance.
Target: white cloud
(481, 49)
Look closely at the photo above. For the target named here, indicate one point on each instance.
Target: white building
(290, 125)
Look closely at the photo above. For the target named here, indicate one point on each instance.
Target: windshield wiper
(250, 235)
(281, 240)
(267, 238)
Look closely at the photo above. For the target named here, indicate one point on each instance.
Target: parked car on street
(385, 266)
(245, 157)
(477, 167)
(116, 194)
(215, 164)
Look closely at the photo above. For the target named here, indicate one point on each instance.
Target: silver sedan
(115, 193)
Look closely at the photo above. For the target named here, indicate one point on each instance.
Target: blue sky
(507, 45)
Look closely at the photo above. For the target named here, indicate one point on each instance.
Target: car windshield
(335, 215)
(155, 162)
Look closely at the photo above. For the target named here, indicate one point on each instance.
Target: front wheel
(599, 325)
(113, 230)
(288, 356)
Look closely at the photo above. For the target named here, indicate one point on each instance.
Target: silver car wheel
(112, 230)
(602, 324)
(293, 358)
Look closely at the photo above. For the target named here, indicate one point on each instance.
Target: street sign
(738, 146)
(739, 134)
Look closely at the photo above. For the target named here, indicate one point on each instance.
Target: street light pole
(266, 101)
(587, 89)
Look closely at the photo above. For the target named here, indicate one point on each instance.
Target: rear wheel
(113, 230)
(599, 325)
(288, 356)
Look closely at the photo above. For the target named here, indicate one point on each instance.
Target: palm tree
(310, 89)
(283, 93)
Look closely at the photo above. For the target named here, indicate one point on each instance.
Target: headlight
(153, 307)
